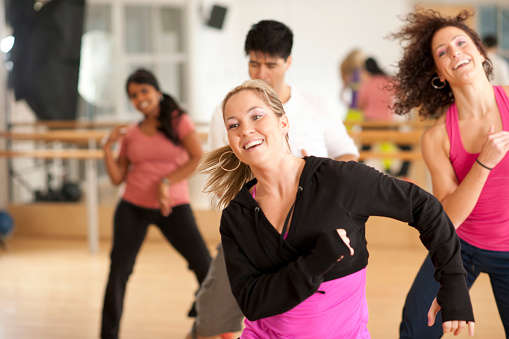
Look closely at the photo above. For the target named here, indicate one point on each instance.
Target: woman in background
(156, 157)
(375, 100)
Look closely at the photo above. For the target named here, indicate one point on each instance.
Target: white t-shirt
(312, 129)
(500, 70)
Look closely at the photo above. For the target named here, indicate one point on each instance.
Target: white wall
(324, 31)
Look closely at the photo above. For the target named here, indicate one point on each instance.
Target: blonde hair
(353, 61)
(226, 175)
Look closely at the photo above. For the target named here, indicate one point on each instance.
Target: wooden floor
(54, 289)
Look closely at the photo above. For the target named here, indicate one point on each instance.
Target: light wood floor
(54, 289)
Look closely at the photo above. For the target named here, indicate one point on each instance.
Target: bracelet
(483, 165)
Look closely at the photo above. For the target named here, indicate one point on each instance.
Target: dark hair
(412, 83)
(371, 66)
(169, 110)
(271, 37)
(490, 41)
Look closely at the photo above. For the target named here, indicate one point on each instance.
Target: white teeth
(462, 62)
(253, 143)
(144, 104)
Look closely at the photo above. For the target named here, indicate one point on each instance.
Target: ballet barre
(373, 136)
(92, 194)
(412, 124)
(401, 155)
(92, 138)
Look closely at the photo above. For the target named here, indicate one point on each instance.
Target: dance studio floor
(54, 289)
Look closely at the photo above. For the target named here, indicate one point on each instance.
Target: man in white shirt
(312, 132)
(500, 66)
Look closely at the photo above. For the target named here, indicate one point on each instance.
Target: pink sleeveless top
(487, 227)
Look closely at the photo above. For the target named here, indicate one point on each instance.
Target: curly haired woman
(444, 73)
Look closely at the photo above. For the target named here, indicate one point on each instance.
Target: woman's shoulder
(336, 170)
(131, 130)
(437, 130)
(435, 137)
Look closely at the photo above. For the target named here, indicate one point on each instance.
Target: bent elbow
(117, 181)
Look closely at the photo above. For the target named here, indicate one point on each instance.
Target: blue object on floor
(6, 224)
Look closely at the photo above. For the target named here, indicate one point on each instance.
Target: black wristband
(483, 165)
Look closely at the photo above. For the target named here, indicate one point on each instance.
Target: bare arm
(192, 145)
(459, 199)
(116, 167)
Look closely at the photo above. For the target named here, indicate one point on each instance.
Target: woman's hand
(495, 148)
(451, 326)
(116, 134)
(165, 198)
(346, 240)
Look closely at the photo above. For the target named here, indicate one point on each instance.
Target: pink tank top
(487, 227)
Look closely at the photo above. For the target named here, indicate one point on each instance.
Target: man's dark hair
(490, 41)
(270, 37)
(371, 66)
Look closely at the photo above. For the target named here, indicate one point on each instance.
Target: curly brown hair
(416, 69)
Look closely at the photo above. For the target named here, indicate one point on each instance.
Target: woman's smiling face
(255, 133)
(457, 58)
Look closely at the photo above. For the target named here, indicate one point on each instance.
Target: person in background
(375, 100)
(268, 46)
(350, 73)
(375, 97)
(157, 155)
(500, 65)
(444, 73)
(293, 229)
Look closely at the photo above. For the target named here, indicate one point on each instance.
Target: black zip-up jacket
(270, 275)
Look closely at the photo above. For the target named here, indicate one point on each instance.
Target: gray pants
(217, 309)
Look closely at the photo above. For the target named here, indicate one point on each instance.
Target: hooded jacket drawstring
(257, 230)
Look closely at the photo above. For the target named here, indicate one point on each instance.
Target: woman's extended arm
(371, 193)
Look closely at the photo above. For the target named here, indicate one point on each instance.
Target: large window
(122, 35)
(495, 20)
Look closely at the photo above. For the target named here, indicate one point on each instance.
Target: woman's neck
(475, 100)
(280, 177)
(150, 121)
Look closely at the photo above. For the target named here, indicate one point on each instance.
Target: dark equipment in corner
(46, 55)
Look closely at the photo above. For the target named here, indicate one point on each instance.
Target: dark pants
(425, 288)
(130, 227)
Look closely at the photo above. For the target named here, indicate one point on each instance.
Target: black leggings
(130, 228)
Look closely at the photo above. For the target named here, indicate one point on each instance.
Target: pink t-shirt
(150, 159)
(374, 99)
(487, 227)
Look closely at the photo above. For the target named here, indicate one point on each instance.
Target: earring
(434, 83)
(487, 65)
(221, 163)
